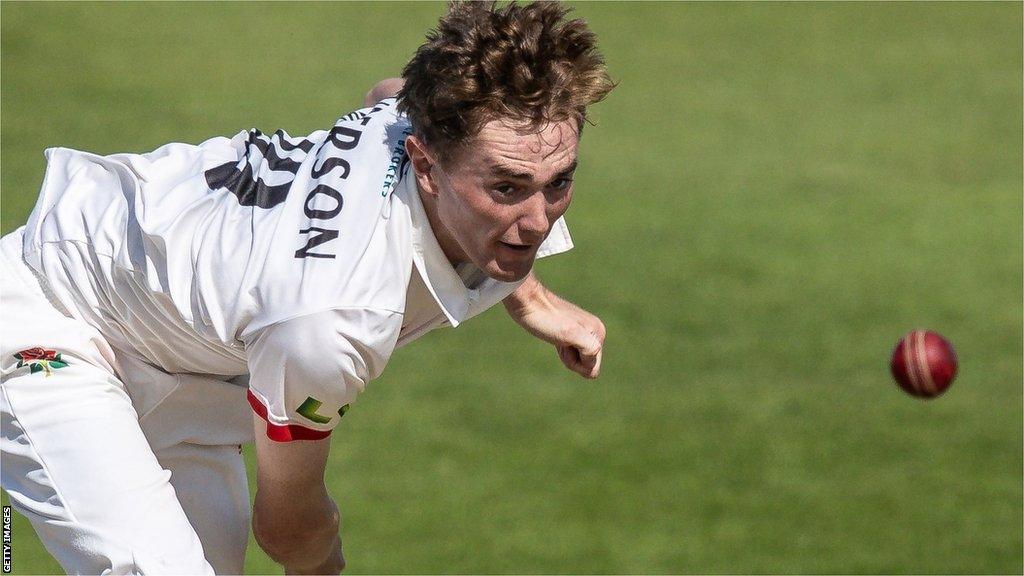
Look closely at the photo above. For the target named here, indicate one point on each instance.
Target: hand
(333, 564)
(577, 335)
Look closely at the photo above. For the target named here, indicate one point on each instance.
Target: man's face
(498, 195)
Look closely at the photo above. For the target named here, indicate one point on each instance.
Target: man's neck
(452, 251)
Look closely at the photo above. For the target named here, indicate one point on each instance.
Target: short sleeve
(305, 372)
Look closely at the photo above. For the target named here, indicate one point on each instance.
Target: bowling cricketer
(161, 309)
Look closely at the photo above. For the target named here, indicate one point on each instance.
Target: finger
(585, 339)
(589, 347)
(591, 357)
(590, 366)
(596, 370)
(570, 357)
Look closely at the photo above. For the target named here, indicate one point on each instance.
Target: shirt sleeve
(305, 372)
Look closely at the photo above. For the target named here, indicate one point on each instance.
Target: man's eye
(505, 189)
(561, 183)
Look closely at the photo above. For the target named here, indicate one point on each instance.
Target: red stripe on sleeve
(284, 433)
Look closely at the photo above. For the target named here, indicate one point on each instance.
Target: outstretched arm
(577, 334)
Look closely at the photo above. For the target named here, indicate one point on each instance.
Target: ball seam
(908, 361)
(922, 360)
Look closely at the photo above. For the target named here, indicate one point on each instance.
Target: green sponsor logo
(309, 409)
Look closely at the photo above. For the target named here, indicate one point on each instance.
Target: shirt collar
(440, 277)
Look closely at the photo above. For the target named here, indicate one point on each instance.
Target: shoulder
(330, 239)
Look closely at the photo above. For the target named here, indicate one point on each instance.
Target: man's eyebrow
(510, 173)
(503, 171)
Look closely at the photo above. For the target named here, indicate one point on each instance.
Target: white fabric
(77, 463)
(314, 356)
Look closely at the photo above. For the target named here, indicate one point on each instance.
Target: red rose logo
(40, 360)
(36, 354)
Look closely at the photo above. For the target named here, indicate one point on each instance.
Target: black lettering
(331, 164)
(248, 189)
(336, 134)
(366, 119)
(323, 236)
(313, 213)
(242, 179)
(287, 146)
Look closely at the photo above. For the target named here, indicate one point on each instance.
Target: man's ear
(422, 164)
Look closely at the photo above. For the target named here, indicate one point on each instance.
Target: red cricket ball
(923, 364)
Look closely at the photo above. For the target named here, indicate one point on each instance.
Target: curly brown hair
(521, 63)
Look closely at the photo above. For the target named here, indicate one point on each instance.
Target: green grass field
(770, 198)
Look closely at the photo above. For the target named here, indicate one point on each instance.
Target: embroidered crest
(40, 360)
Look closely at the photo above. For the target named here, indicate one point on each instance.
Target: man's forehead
(499, 145)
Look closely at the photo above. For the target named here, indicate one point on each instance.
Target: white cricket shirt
(291, 259)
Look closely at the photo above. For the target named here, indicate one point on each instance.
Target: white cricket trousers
(109, 492)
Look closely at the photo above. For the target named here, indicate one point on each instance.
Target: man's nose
(533, 222)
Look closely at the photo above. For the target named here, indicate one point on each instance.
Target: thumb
(588, 351)
(587, 343)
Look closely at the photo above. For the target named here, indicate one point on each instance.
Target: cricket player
(161, 309)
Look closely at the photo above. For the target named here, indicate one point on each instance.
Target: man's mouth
(517, 247)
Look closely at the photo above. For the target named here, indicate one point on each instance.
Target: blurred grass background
(771, 197)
